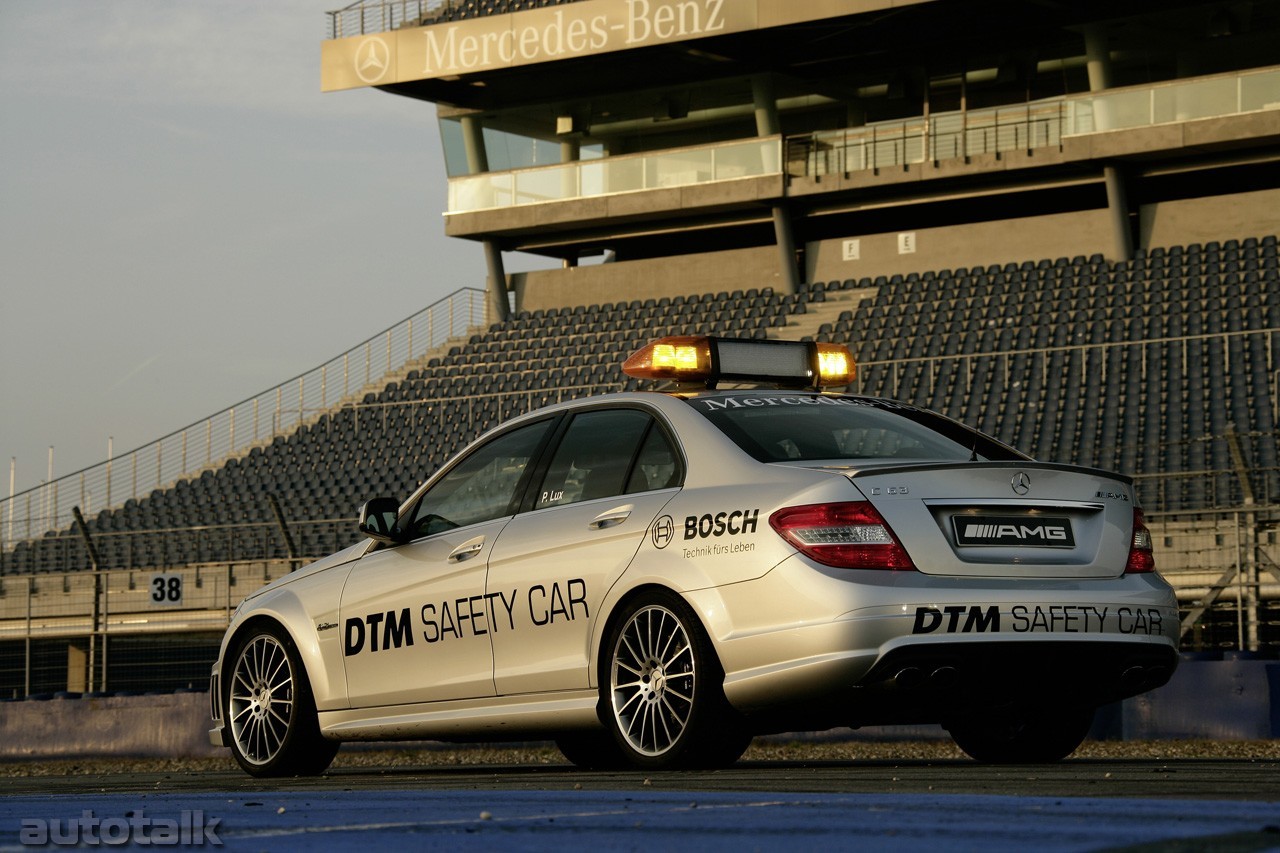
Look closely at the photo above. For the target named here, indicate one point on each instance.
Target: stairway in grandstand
(1141, 366)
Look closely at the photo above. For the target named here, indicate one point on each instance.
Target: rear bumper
(942, 680)
(930, 682)
(867, 648)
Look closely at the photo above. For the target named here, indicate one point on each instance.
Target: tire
(661, 689)
(591, 750)
(1030, 736)
(270, 711)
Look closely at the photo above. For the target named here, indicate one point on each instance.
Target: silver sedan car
(650, 579)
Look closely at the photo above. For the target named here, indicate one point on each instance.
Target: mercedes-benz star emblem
(1021, 483)
(373, 60)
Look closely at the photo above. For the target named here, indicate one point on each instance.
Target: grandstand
(1056, 223)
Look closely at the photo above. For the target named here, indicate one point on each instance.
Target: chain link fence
(92, 632)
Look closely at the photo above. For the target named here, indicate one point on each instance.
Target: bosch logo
(662, 532)
(732, 523)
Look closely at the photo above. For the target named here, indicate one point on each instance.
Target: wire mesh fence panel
(120, 631)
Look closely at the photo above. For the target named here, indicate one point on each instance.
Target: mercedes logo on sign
(373, 59)
(1021, 483)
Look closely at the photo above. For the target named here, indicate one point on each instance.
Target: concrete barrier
(173, 725)
(1234, 699)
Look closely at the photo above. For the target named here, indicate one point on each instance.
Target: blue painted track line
(368, 821)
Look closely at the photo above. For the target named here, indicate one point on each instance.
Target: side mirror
(378, 519)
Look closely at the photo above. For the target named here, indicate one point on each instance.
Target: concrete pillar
(477, 163)
(1098, 64)
(786, 249)
(1097, 56)
(1118, 210)
(570, 151)
(473, 144)
(767, 124)
(766, 106)
(499, 307)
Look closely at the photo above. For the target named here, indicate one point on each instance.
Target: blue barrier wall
(1232, 699)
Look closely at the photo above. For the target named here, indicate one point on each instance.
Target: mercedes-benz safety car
(650, 579)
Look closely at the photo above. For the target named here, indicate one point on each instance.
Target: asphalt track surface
(1082, 804)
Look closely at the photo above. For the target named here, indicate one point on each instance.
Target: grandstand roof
(839, 48)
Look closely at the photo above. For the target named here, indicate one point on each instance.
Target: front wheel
(270, 710)
(662, 689)
(1028, 736)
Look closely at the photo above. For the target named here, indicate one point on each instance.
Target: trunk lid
(1005, 519)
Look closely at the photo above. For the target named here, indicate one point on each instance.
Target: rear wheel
(270, 710)
(661, 690)
(1028, 736)
(591, 750)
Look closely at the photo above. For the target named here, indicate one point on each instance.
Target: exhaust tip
(1133, 676)
(908, 678)
(944, 677)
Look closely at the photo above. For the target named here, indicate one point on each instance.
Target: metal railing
(86, 632)
(947, 136)
(258, 419)
(966, 374)
(1223, 564)
(139, 472)
(942, 137)
(722, 161)
(1039, 124)
(158, 628)
(63, 549)
(368, 17)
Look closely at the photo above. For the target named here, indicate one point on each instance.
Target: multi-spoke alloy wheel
(653, 679)
(261, 699)
(270, 710)
(664, 702)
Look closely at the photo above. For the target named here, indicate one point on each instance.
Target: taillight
(1141, 559)
(845, 535)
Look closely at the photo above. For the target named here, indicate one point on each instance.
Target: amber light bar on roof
(708, 360)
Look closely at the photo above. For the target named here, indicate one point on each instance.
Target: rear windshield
(774, 426)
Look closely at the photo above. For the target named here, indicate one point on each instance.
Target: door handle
(466, 550)
(611, 517)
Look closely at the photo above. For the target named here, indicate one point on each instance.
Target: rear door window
(605, 453)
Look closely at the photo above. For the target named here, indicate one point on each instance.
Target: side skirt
(486, 718)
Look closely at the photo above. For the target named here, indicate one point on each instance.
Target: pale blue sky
(185, 220)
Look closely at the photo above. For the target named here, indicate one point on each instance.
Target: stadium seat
(1174, 350)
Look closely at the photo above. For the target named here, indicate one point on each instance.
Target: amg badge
(1013, 530)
